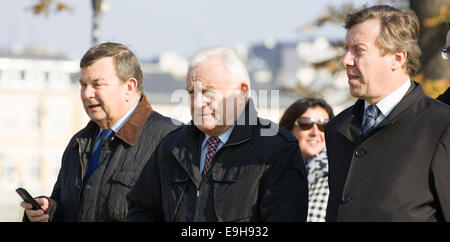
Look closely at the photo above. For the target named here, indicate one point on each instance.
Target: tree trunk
(432, 39)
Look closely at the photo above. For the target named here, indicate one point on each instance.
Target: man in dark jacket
(103, 160)
(228, 164)
(388, 154)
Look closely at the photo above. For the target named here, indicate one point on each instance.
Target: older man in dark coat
(228, 164)
(388, 154)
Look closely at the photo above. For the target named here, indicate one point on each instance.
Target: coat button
(88, 187)
(360, 152)
(345, 198)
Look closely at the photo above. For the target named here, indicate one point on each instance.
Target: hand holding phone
(28, 198)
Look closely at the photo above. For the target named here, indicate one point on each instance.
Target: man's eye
(208, 94)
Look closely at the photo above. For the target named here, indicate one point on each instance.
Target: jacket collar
(129, 131)
(246, 124)
(191, 139)
(350, 127)
(411, 97)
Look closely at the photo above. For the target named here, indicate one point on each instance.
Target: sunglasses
(308, 123)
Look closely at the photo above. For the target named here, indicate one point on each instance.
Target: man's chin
(355, 92)
(209, 130)
(96, 117)
(205, 126)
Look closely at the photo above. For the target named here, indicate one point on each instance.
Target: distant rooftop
(34, 53)
(33, 56)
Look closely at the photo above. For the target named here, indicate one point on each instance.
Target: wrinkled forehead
(211, 74)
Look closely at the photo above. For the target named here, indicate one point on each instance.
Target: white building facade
(40, 111)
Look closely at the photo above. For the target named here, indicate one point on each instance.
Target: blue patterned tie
(371, 115)
(93, 163)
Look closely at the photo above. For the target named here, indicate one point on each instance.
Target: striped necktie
(372, 114)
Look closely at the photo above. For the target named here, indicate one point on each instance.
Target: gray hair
(230, 58)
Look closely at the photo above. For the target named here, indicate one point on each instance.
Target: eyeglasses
(308, 123)
(445, 52)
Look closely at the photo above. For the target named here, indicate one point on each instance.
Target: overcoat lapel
(351, 125)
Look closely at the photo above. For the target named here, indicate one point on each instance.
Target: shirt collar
(223, 137)
(116, 127)
(390, 101)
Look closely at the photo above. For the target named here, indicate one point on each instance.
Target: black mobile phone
(28, 198)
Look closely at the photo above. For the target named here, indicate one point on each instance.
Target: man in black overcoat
(388, 154)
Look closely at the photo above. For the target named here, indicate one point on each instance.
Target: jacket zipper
(81, 183)
(196, 201)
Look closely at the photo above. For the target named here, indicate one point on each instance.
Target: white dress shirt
(388, 103)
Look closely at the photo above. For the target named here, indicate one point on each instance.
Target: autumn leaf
(443, 17)
(42, 7)
(61, 7)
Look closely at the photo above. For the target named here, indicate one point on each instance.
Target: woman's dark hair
(299, 107)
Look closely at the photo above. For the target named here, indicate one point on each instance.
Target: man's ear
(399, 59)
(131, 84)
(244, 87)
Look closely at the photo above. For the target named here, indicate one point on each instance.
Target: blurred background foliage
(433, 16)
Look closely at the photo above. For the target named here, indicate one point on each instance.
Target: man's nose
(198, 100)
(348, 59)
(87, 92)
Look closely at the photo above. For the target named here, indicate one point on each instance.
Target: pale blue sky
(152, 26)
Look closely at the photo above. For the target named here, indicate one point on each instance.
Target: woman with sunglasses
(306, 119)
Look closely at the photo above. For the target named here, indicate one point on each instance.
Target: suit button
(360, 152)
(88, 187)
(345, 198)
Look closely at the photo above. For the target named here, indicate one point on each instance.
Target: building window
(9, 171)
(22, 75)
(46, 76)
(35, 167)
(32, 114)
